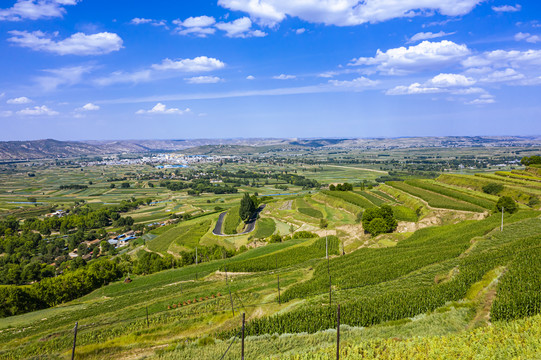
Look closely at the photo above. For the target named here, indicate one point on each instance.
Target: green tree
(247, 207)
(377, 226)
(508, 204)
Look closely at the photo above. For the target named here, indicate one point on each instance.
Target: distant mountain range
(51, 149)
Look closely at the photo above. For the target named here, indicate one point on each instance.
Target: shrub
(493, 188)
(508, 204)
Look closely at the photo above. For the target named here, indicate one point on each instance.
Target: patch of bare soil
(286, 205)
(220, 275)
(439, 217)
(256, 244)
(486, 298)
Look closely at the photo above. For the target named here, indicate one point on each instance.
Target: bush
(493, 188)
(508, 204)
(304, 235)
(275, 239)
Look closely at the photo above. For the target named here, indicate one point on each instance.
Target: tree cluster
(531, 160)
(341, 187)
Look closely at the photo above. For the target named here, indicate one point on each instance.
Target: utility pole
(231, 298)
(279, 301)
(242, 346)
(326, 248)
(330, 291)
(338, 334)
(195, 255)
(501, 228)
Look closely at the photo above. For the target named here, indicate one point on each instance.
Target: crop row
(434, 199)
(351, 198)
(287, 257)
(372, 266)
(484, 203)
(519, 292)
(395, 303)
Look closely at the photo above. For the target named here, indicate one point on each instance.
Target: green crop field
(434, 199)
(444, 284)
(231, 221)
(265, 227)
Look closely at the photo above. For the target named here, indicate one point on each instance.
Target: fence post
(279, 301)
(74, 340)
(147, 316)
(226, 275)
(242, 347)
(338, 334)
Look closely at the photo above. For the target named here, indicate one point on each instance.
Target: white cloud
(198, 21)
(360, 82)
(423, 56)
(6, 113)
(76, 44)
(240, 28)
(35, 9)
(300, 31)
(37, 111)
(198, 26)
(415, 88)
(328, 74)
(70, 75)
(504, 76)
(345, 12)
(19, 100)
(284, 77)
(527, 37)
(504, 59)
(442, 83)
(507, 8)
(88, 107)
(429, 35)
(198, 64)
(203, 80)
(141, 21)
(160, 108)
(451, 80)
(250, 77)
(166, 69)
(482, 100)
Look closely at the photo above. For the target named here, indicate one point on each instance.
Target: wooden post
(338, 334)
(74, 340)
(147, 316)
(330, 291)
(226, 275)
(242, 346)
(501, 228)
(196, 256)
(279, 301)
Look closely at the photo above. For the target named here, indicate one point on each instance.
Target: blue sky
(124, 69)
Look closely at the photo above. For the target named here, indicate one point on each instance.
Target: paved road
(250, 224)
